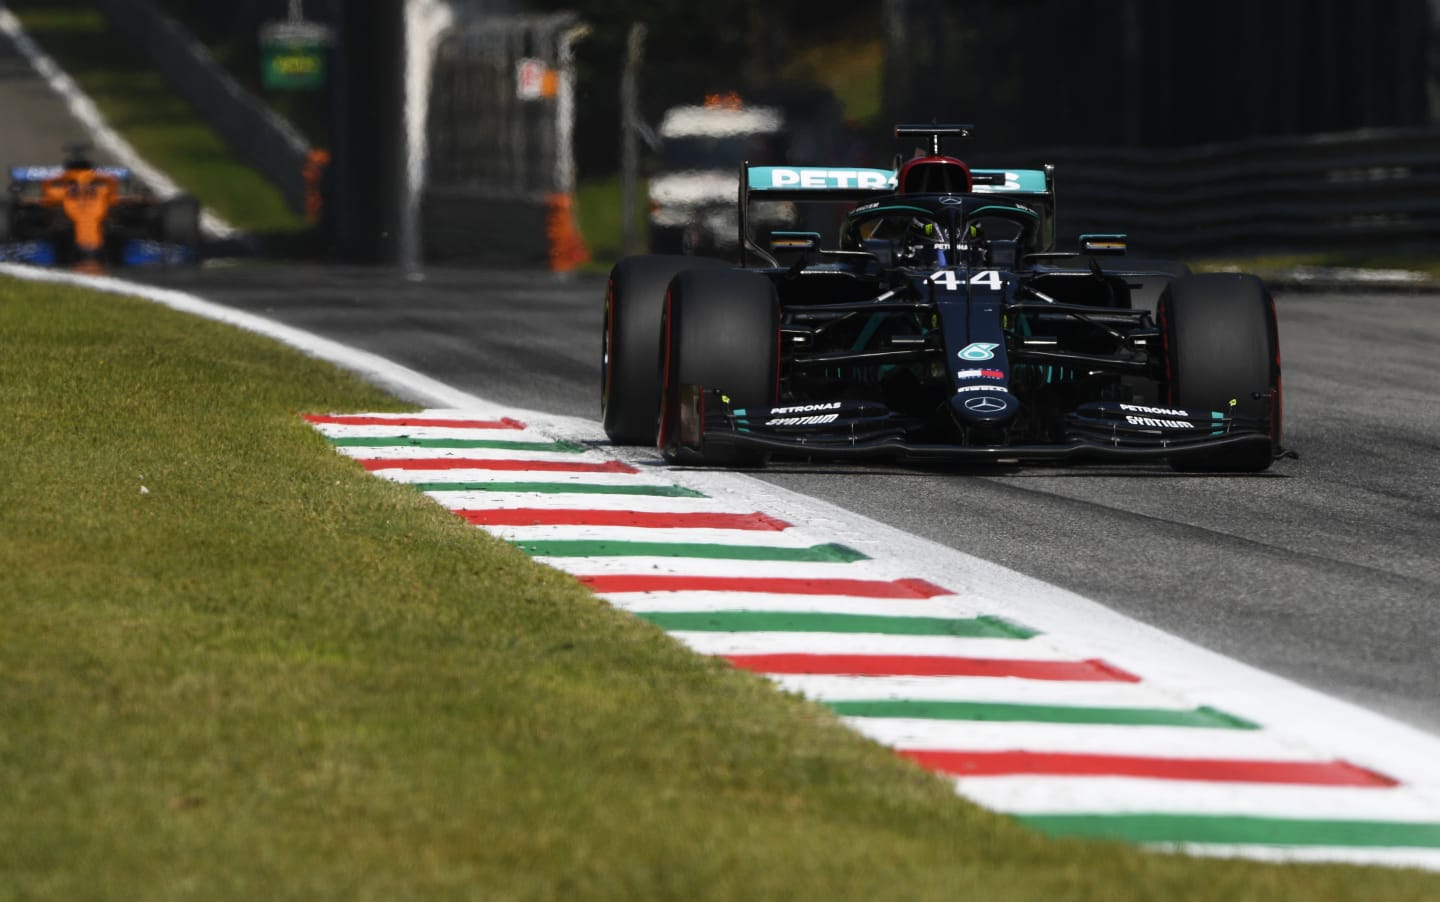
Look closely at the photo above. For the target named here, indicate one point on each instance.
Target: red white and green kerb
(1070, 743)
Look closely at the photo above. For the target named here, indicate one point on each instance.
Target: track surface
(37, 124)
(1325, 569)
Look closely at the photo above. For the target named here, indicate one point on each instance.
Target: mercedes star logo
(985, 404)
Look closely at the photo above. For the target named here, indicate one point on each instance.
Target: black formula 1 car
(945, 326)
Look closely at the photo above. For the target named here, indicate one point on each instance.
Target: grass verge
(235, 666)
(600, 215)
(1278, 266)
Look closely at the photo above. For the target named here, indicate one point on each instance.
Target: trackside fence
(500, 179)
(1369, 190)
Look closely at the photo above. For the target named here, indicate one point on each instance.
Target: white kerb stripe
(784, 643)
(1000, 690)
(1112, 795)
(1082, 739)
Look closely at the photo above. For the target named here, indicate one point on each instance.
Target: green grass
(270, 675)
(600, 217)
(1282, 264)
(164, 129)
(854, 71)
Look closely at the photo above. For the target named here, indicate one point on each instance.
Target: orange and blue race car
(80, 214)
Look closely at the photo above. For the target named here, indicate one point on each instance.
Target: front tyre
(630, 350)
(1222, 353)
(721, 331)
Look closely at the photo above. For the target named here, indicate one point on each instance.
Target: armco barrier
(252, 131)
(1370, 190)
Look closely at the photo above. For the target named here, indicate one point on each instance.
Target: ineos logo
(985, 404)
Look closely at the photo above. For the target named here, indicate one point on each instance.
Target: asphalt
(37, 125)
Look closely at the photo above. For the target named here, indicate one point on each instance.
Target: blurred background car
(694, 189)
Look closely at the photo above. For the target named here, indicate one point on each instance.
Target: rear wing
(1018, 182)
(833, 183)
(1034, 187)
(825, 184)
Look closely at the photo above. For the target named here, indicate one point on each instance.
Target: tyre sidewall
(721, 331)
(180, 222)
(1222, 346)
(630, 349)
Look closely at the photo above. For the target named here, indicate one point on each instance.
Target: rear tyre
(630, 344)
(1222, 346)
(721, 331)
(7, 226)
(665, 240)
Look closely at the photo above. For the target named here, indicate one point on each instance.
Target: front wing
(712, 429)
(131, 252)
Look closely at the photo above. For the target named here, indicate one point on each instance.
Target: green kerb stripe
(998, 711)
(405, 441)
(602, 548)
(560, 488)
(819, 622)
(1269, 831)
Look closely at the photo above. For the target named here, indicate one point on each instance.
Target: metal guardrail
(1368, 189)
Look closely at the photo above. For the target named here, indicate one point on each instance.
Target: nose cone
(988, 407)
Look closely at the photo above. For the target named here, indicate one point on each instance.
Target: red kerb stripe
(520, 516)
(482, 463)
(502, 423)
(1091, 671)
(665, 582)
(997, 764)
